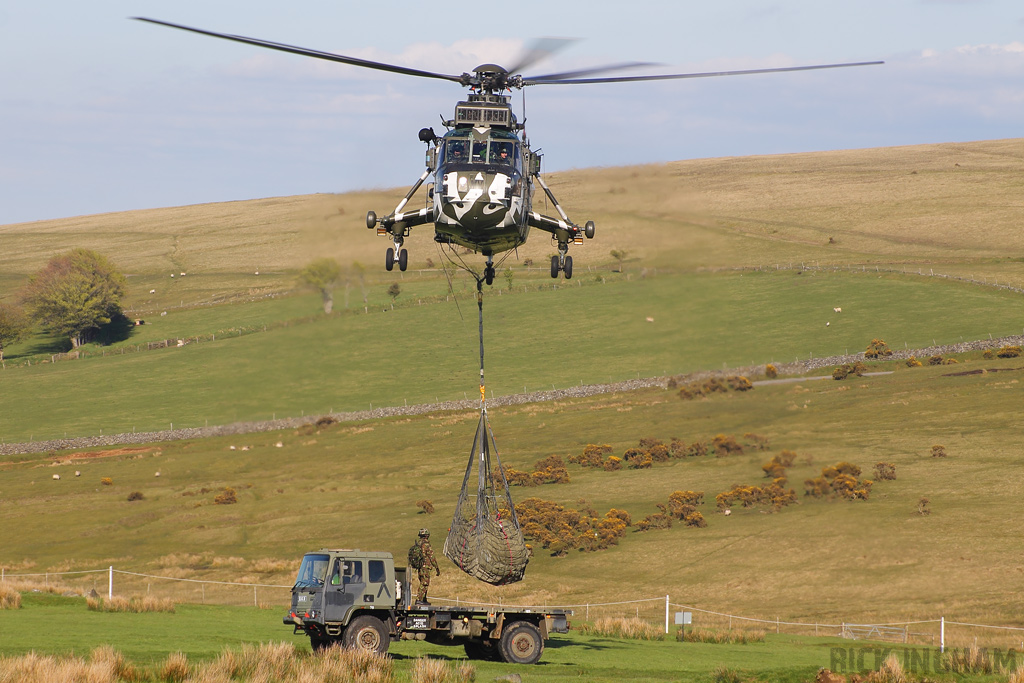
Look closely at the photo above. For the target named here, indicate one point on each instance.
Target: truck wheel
(521, 643)
(484, 650)
(367, 633)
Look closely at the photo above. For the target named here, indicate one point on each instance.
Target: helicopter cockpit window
(456, 151)
(479, 152)
(501, 153)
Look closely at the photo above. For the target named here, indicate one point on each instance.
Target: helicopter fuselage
(482, 197)
(482, 193)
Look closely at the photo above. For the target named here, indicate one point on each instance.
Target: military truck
(362, 600)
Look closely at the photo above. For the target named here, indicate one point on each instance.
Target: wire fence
(660, 611)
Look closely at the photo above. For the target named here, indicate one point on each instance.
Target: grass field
(697, 232)
(586, 333)
(875, 560)
(201, 633)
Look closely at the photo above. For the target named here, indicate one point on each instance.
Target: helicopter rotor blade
(539, 49)
(587, 72)
(670, 77)
(329, 56)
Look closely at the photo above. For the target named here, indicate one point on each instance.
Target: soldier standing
(428, 560)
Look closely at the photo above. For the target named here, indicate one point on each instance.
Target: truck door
(379, 590)
(344, 589)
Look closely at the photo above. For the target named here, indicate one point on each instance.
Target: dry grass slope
(264, 663)
(954, 201)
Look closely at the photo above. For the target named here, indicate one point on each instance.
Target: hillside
(732, 262)
(957, 204)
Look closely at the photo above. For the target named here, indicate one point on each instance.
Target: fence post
(666, 615)
(942, 634)
(110, 583)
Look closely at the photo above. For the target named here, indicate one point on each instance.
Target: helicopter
(483, 167)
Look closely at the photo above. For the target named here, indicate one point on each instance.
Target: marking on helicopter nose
(498, 187)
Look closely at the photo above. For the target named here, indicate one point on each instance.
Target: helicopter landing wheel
(555, 266)
(389, 259)
(567, 268)
(489, 275)
(403, 260)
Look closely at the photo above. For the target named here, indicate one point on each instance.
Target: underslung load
(485, 539)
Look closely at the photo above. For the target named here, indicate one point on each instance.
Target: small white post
(254, 602)
(666, 615)
(110, 583)
(942, 634)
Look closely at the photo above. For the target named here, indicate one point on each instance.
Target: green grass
(586, 332)
(687, 226)
(356, 486)
(198, 630)
(201, 633)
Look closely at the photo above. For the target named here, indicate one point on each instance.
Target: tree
(394, 290)
(75, 294)
(620, 256)
(13, 326)
(322, 274)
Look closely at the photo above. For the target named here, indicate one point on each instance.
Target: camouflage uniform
(424, 570)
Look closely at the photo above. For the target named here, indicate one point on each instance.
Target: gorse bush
(774, 496)
(713, 385)
(776, 467)
(681, 506)
(637, 459)
(549, 470)
(593, 455)
(559, 529)
(425, 506)
(877, 349)
(658, 520)
(724, 444)
(885, 471)
(847, 369)
(227, 496)
(1010, 352)
(770, 371)
(839, 480)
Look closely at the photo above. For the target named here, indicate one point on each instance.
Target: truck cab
(360, 599)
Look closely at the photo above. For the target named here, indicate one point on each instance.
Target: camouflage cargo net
(485, 540)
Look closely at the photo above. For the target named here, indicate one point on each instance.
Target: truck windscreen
(312, 571)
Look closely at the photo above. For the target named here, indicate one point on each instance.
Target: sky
(99, 113)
